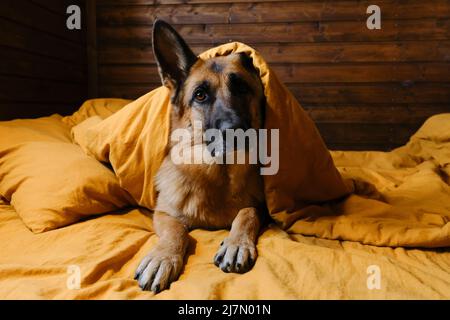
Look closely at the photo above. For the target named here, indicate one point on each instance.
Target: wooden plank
(14, 110)
(337, 10)
(126, 91)
(364, 72)
(406, 51)
(183, 2)
(92, 55)
(20, 63)
(307, 73)
(438, 4)
(59, 6)
(133, 54)
(174, 14)
(18, 36)
(366, 133)
(119, 14)
(128, 74)
(393, 114)
(16, 89)
(394, 93)
(335, 31)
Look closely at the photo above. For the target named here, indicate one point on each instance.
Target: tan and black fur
(222, 93)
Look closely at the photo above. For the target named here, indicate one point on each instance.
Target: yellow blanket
(414, 191)
(107, 249)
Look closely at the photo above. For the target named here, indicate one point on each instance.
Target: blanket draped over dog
(308, 195)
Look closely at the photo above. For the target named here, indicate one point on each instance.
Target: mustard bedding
(107, 249)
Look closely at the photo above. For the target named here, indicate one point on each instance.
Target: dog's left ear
(173, 55)
(247, 62)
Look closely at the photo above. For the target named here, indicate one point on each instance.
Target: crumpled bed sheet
(291, 265)
(107, 250)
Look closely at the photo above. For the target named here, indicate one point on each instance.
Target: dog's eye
(200, 95)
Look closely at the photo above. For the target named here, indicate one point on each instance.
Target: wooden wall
(365, 89)
(42, 63)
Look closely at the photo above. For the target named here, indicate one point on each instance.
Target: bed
(300, 261)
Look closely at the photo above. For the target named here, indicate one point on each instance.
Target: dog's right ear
(173, 55)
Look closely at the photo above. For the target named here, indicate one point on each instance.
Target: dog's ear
(173, 55)
(247, 62)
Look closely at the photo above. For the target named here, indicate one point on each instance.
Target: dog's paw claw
(235, 256)
(157, 270)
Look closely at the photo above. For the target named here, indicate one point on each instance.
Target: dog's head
(222, 92)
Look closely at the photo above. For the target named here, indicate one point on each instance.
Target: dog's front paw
(158, 269)
(236, 255)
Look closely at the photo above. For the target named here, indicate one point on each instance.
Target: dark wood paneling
(386, 93)
(365, 133)
(393, 114)
(22, 63)
(58, 7)
(184, 2)
(327, 31)
(243, 13)
(91, 48)
(405, 51)
(17, 110)
(18, 36)
(43, 66)
(20, 89)
(366, 89)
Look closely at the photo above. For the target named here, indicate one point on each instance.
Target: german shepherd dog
(222, 93)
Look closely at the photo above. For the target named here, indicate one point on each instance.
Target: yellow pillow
(133, 141)
(435, 128)
(50, 181)
(102, 108)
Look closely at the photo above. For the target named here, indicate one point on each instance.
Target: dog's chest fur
(207, 195)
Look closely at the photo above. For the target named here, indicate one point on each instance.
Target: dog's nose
(224, 124)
